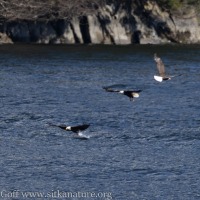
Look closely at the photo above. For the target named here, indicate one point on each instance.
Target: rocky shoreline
(113, 24)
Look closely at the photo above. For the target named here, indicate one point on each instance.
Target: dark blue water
(142, 150)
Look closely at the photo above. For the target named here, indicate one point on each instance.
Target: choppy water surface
(147, 149)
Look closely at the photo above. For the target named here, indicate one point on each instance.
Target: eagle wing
(107, 89)
(160, 65)
(79, 128)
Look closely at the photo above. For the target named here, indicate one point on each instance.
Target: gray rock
(116, 23)
(4, 39)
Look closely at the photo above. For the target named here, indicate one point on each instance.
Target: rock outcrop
(116, 23)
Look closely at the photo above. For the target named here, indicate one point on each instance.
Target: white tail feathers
(158, 78)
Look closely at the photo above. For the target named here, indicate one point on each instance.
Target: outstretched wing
(107, 89)
(60, 126)
(160, 65)
(79, 128)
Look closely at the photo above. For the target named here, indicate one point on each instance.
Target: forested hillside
(100, 21)
(178, 4)
(66, 9)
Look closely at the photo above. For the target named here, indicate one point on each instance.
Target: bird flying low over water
(75, 129)
(130, 93)
(161, 69)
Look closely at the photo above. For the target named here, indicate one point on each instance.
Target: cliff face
(116, 23)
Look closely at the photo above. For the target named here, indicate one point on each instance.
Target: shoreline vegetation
(100, 21)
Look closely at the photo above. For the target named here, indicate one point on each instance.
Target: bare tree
(47, 9)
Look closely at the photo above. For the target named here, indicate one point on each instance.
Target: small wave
(82, 136)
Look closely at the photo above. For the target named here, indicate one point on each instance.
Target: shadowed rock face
(116, 23)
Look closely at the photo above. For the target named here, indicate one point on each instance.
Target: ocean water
(147, 149)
